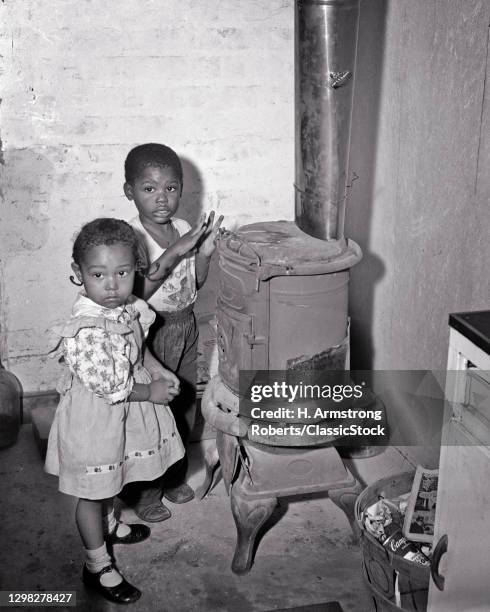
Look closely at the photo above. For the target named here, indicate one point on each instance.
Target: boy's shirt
(179, 289)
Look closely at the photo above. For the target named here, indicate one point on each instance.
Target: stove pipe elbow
(325, 59)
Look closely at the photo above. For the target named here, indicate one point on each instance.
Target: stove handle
(253, 339)
(235, 243)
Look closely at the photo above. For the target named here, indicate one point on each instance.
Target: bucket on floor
(380, 566)
(10, 412)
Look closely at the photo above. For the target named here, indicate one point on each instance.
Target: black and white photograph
(245, 305)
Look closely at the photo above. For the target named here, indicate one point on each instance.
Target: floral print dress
(99, 441)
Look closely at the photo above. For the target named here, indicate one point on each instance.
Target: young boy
(180, 256)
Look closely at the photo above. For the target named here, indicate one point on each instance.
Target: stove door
(239, 347)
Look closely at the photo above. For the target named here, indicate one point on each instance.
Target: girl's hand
(158, 372)
(162, 391)
(208, 241)
(188, 241)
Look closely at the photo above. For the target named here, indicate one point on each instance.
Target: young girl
(112, 425)
(154, 181)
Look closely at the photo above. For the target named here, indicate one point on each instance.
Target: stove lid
(280, 248)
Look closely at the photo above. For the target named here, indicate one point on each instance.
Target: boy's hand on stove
(189, 240)
(208, 240)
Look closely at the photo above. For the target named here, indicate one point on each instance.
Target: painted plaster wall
(83, 81)
(421, 207)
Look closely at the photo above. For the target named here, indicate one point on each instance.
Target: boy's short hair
(151, 154)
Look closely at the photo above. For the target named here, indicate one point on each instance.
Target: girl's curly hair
(108, 231)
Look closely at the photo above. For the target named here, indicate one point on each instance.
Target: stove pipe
(325, 58)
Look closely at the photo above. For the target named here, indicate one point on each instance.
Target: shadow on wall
(190, 208)
(25, 185)
(26, 177)
(25, 181)
(366, 275)
(191, 202)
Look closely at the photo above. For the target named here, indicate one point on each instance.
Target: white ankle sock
(111, 524)
(98, 558)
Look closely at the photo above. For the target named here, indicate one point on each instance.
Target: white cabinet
(463, 502)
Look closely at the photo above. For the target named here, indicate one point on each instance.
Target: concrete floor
(307, 555)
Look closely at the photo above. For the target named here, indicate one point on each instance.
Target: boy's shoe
(180, 494)
(137, 534)
(153, 512)
(123, 593)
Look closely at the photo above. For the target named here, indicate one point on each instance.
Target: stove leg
(211, 461)
(345, 499)
(249, 516)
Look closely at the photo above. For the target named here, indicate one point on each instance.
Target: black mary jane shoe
(138, 533)
(123, 593)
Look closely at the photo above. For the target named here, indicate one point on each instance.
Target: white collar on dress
(85, 307)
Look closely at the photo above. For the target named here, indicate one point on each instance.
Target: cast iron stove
(283, 293)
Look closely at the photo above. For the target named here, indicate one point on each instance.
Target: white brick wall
(82, 82)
